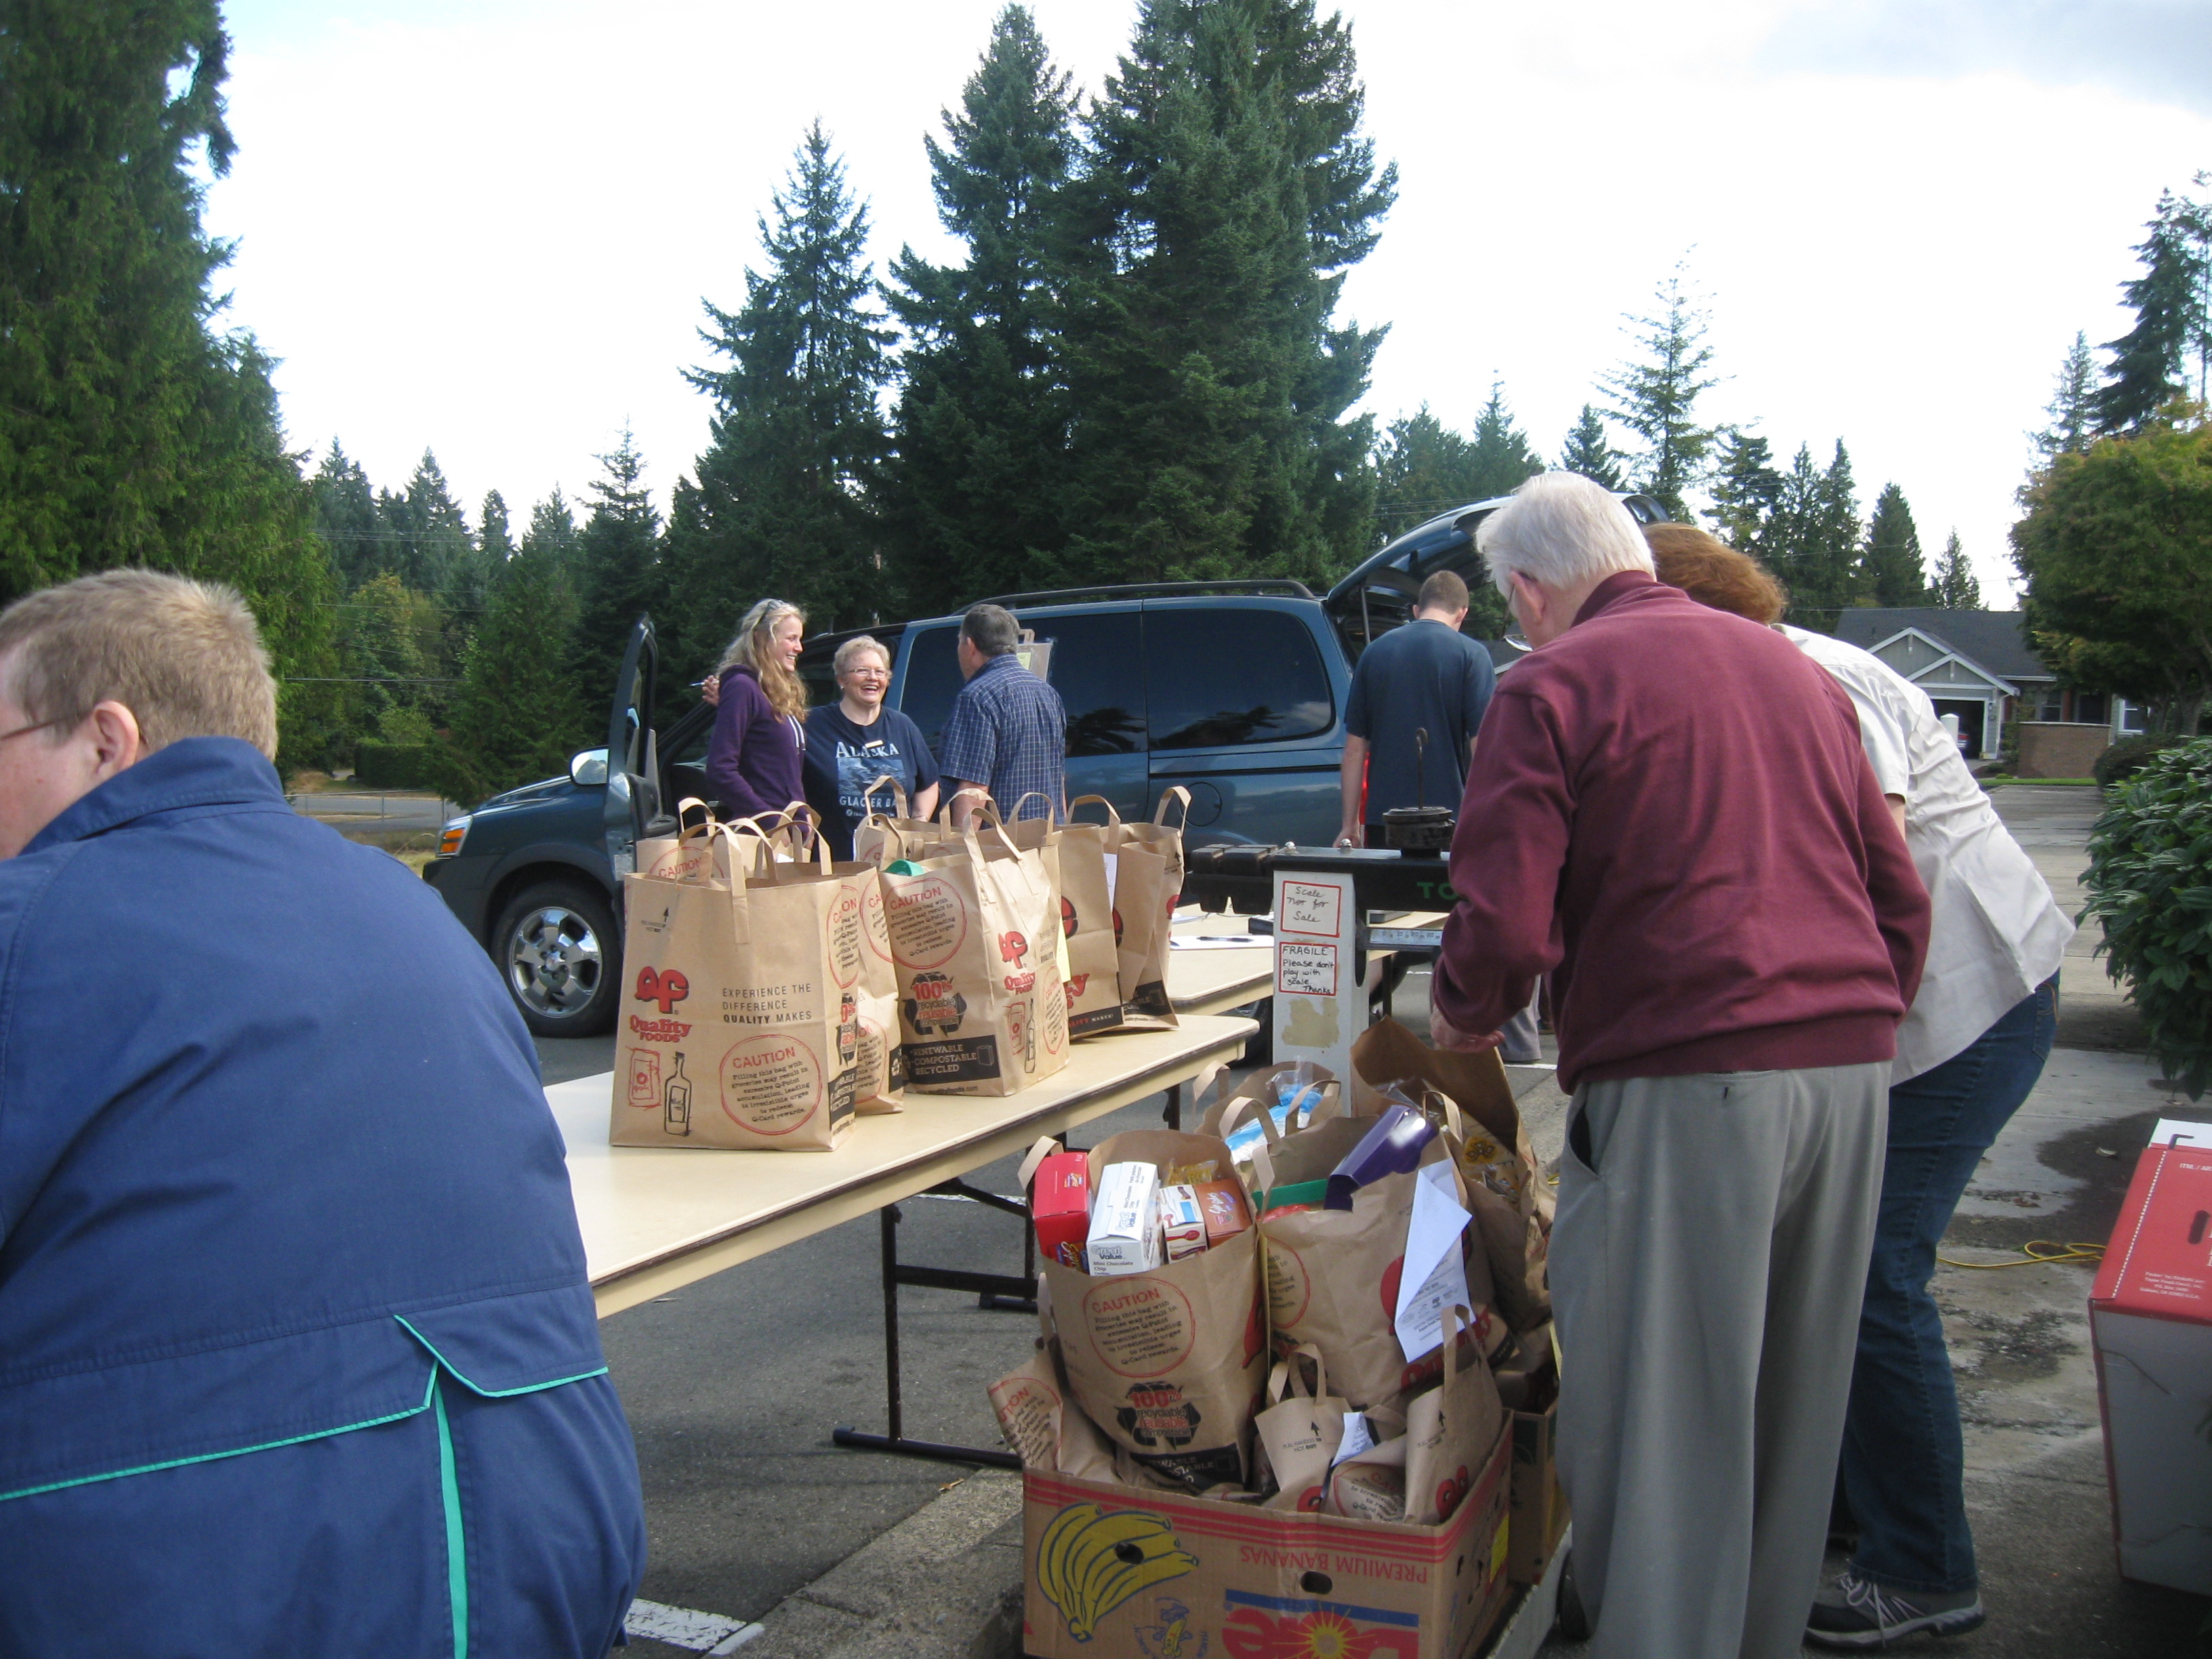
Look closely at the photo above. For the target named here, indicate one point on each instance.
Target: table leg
(895, 1274)
(1172, 1112)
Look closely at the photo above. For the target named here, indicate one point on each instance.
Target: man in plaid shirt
(1008, 731)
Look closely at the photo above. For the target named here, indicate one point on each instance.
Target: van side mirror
(587, 769)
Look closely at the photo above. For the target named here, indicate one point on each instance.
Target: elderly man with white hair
(1673, 818)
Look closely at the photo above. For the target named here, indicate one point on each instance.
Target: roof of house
(1991, 639)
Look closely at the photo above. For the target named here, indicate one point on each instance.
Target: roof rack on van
(1263, 584)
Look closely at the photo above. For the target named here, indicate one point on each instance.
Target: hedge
(394, 765)
(2150, 883)
(2123, 760)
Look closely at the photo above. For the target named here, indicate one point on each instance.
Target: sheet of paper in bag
(1434, 1276)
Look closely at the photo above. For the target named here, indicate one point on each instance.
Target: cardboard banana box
(1127, 1572)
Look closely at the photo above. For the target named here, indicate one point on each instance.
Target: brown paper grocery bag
(1146, 886)
(684, 942)
(1086, 919)
(1505, 1191)
(697, 853)
(1169, 1363)
(1299, 1432)
(1045, 1428)
(975, 938)
(1451, 1429)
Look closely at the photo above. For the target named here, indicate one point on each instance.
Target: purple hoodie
(753, 761)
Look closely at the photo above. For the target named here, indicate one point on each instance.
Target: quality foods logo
(667, 989)
(659, 1031)
(1013, 947)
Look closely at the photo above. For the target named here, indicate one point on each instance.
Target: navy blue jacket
(294, 1328)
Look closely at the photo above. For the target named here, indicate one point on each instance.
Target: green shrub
(2150, 884)
(2131, 755)
(395, 765)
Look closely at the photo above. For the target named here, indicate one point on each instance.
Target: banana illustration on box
(1088, 1561)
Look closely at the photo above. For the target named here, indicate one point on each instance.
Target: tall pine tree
(518, 712)
(973, 489)
(1423, 468)
(1955, 587)
(1210, 381)
(1590, 451)
(1894, 571)
(1812, 539)
(347, 519)
(131, 432)
(2150, 361)
(1747, 493)
(1656, 396)
(781, 501)
(1499, 460)
(617, 561)
(2073, 406)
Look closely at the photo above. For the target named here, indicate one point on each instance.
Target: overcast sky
(485, 226)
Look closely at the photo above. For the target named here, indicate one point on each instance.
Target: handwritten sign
(1311, 907)
(1305, 971)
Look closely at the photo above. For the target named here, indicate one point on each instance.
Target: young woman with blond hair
(753, 761)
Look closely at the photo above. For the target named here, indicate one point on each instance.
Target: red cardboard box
(2150, 1321)
(1060, 1207)
(1127, 1572)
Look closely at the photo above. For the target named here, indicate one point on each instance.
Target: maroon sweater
(1670, 813)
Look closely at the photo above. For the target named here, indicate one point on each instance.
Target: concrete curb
(945, 1583)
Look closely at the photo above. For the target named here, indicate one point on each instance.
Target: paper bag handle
(1051, 812)
(1042, 1148)
(1286, 1375)
(1234, 1110)
(1177, 792)
(898, 795)
(1113, 817)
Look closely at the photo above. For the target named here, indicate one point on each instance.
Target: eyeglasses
(35, 725)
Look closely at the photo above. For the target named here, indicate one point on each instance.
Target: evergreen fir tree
(1658, 397)
(346, 518)
(781, 501)
(553, 530)
(130, 431)
(1210, 383)
(2150, 361)
(1832, 542)
(616, 557)
(1499, 460)
(1789, 543)
(1747, 494)
(1590, 451)
(979, 436)
(518, 713)
(494, 539)
(1955, 587)
(1893, 564)
(432, 531)
(2073, 406)
(1423, 468)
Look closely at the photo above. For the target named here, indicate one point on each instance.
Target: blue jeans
(1902, 1453)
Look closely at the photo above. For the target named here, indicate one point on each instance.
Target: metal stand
(997, 1292)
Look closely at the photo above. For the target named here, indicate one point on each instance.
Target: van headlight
(456, 832)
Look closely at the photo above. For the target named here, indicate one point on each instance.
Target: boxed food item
(1225, 1211)
(1060, 1207)
(1125, 1220)
(1119, 1572)
(1182, 1229)
(2150, 1324)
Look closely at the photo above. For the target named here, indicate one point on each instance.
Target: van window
(1223, 675)
(932, 680)
(1094, 669)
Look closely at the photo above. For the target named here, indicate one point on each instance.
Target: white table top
(655, 1218)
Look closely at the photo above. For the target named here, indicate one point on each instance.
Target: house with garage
(1978, 666)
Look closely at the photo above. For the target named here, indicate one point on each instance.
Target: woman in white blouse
(1968, 1052)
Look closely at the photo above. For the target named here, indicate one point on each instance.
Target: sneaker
(1857, 1613)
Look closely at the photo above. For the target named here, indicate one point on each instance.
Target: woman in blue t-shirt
(855, 740)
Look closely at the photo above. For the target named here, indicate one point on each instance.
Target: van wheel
(557, 946)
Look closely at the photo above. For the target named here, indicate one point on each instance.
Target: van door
(1242, 708)
(633, 806)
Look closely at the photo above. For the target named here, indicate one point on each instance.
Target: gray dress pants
(1707, 1263)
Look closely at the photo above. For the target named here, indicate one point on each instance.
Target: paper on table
(1434, 1278)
